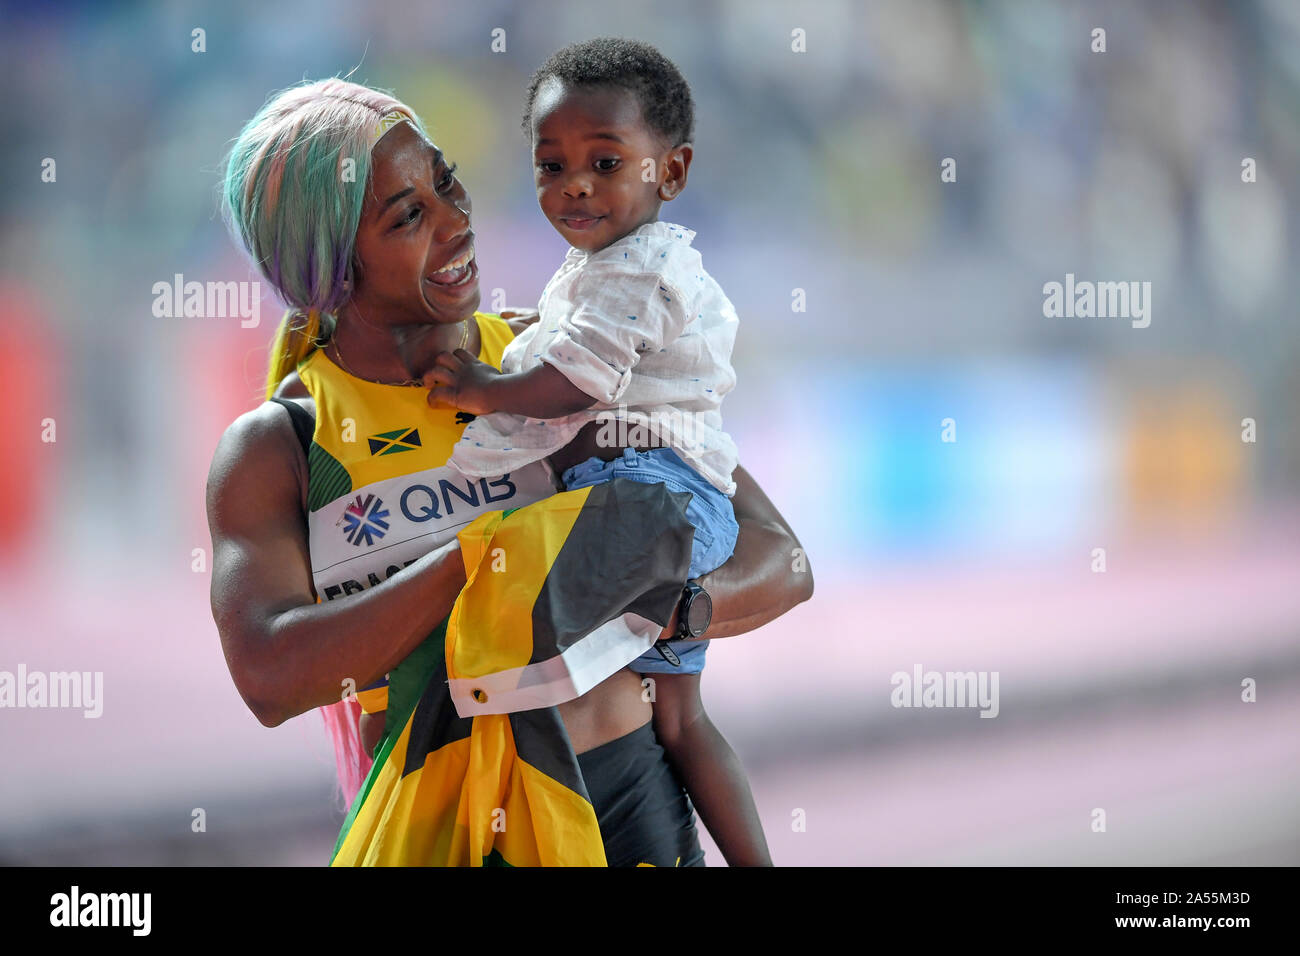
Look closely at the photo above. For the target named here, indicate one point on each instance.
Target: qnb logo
(365, 521)
(419, 502)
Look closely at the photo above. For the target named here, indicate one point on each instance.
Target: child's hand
(460, 380)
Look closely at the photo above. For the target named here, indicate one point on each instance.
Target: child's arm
(614, 320)
(709, 769)
(459, 379)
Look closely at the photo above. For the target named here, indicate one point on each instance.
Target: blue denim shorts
(710, 512)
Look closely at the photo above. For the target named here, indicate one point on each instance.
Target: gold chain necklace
(464, 340)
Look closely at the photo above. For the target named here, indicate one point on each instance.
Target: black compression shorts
(644, 814)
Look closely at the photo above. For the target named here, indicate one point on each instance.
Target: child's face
(589, 148)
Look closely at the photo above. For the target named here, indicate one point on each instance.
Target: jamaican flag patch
(389, 443)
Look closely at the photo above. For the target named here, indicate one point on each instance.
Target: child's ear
(677, 164)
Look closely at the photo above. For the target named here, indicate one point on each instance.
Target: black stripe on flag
(628, 550)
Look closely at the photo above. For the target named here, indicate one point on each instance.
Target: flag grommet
(480, 695)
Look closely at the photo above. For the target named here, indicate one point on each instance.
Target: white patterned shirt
(642, 328)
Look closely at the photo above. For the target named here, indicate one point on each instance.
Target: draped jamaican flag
(475, 767)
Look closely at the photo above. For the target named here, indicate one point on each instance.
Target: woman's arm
(766, 575)
(286, 653)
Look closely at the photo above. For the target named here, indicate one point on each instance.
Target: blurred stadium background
(816, 171)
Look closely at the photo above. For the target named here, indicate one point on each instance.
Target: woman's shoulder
(264, 430)
(258, 467)
(292, 386)
(263, 439)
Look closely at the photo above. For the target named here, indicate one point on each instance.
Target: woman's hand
(766, 576)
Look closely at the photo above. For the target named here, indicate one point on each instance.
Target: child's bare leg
(709, 769)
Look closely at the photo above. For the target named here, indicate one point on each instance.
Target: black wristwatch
(693, 616)
(695, 611)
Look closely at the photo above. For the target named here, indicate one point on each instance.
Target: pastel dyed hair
(287, 201)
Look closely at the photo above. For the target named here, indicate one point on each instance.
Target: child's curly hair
(664, 95)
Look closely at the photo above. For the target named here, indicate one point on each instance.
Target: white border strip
(603, 652)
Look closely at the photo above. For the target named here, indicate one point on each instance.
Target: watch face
(699, 613)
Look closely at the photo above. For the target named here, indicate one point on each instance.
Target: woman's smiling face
(414, 243)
